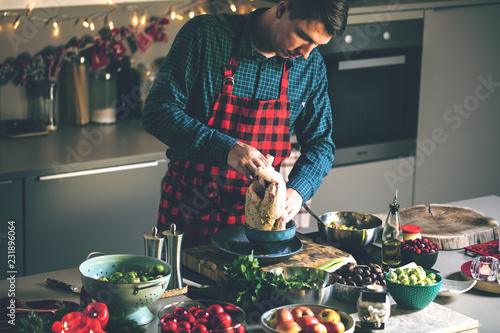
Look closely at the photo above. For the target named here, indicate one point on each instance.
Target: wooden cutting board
(433, 318)
(450, 227)
(210, 261)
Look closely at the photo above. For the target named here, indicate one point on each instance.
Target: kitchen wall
(33, 36)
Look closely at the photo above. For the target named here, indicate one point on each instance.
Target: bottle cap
(394, 206)
(411, 229)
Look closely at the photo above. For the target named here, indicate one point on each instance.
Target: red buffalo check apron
(202, 198)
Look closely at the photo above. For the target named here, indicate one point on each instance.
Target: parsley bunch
(245, 282)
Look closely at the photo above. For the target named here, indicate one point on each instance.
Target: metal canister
(173, 249)
(154, 243)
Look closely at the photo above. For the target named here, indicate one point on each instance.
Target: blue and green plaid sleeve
(177, 108)
(313, 128)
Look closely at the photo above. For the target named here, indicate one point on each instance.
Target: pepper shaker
(173, 248)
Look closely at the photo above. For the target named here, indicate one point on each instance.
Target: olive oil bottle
(392, 235)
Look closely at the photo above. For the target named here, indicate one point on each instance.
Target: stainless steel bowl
(319, 296)
(346, 293)
(367, 229)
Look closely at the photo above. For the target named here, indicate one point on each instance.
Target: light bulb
(135, 19)
(143, 19)
(92, 26)
(191, 14)
(55, 25)
(17, 22)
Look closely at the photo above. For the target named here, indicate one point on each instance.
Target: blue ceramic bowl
(270, 241)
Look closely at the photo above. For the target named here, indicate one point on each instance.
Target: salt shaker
(374, 307)
(153, 244)
(173, 246)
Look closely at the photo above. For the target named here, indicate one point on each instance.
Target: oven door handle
(371, 62)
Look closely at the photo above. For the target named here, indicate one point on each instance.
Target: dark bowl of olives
(351, 278)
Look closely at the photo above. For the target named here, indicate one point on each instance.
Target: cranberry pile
(419, 245)
(200, 320)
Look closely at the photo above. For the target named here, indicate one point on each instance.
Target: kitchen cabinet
(106, 210)
(11, 217)
(367, 187)
(459, 118)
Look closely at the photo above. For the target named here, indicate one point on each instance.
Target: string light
(232, 6)
(143, 18)
(29, 8)
(17, 21)
(135, 19)
(189, 11)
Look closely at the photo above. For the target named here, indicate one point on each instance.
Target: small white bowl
(454, 287)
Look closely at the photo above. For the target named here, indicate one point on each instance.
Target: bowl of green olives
(413, 287)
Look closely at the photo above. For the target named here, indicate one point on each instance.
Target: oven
(374, 78)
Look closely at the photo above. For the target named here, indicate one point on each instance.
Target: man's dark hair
(332, 13)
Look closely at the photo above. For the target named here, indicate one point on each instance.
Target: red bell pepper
(57, 327)
(71, 320)
(97, 311)
(93, 319)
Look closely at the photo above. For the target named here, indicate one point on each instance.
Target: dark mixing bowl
(270, 241)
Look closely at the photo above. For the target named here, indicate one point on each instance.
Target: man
(231, 91)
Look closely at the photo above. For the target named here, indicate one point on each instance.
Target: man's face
(294, 38)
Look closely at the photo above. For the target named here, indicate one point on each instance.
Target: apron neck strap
(229, 70)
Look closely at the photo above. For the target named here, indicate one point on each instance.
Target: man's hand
(293, 204)
(246, 159)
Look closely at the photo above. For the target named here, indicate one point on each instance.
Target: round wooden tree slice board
(451, 227)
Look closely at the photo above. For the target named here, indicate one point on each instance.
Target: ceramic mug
(484, 268)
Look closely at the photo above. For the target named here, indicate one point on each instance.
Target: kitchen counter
(475, 303)
(76, 148)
